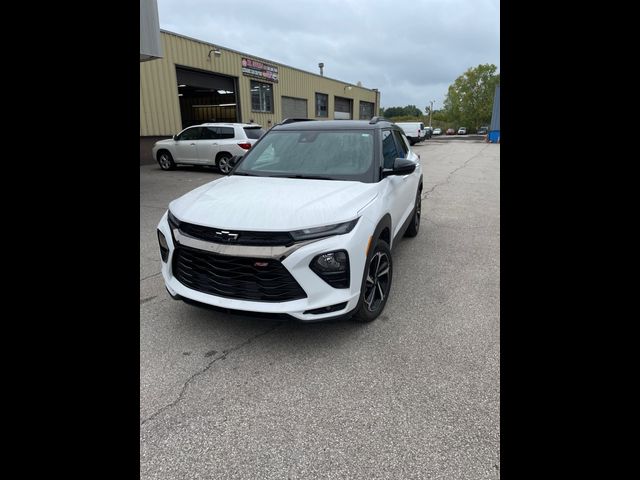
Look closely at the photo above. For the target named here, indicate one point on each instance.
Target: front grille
(235, 277)
(216, 235)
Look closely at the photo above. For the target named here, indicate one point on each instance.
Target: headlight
(332, 267)
(173, 221)
(164, 247)
(325, 231)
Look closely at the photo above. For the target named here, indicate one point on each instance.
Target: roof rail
(375, 120)
(292, 120)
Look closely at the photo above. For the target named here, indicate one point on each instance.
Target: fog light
(164, 247)
(332, 262)
(333, 268)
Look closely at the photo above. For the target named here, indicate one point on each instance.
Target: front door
(187, 146)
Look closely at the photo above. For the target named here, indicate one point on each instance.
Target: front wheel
(165, 160)
(223, 163)
(376, 283)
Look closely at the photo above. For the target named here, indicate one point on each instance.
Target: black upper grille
(217, 235)
(235, 277)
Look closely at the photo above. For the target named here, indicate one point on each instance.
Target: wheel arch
(382, 231)
(221, 153)
(161, 150)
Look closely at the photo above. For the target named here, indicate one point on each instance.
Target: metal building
(196, 82)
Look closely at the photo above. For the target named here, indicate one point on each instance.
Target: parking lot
(415, 394)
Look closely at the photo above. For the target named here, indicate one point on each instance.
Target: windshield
(332, 155)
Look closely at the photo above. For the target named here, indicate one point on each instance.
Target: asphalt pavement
(415, 394)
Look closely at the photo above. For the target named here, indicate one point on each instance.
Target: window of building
(322, 105)
(366, 110)
(261, 97)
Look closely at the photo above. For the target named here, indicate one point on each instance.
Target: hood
(272, 204)
(165, 142)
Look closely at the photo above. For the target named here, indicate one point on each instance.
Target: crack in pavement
(424, 195)
(200, 372)
(154, 275)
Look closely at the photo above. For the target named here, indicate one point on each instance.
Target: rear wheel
(376, 283)
(223, 163)
(165, 160)
(414, 226)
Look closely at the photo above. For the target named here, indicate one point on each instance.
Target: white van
(414, 131)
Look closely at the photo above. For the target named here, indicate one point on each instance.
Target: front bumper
(319, 293)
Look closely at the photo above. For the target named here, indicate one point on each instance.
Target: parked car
(207, 144)
(303, 226)
(428, 132)
(462, 131)
(414, 131)
(451, 131)
(483, 130)
(437, 131)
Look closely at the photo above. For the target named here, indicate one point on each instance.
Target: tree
(469, 100)
(408, 111)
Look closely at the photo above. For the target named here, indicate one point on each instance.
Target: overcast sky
(411, 50)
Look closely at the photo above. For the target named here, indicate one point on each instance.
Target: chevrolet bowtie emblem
(226, 236)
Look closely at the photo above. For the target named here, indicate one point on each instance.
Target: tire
(165, 160)
(222, 162)
(375, 288)
(414, 226)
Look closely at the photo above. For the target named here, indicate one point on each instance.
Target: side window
(191, 134)
(209, 133)
(226, 132)
(402, 144)
(389, 149)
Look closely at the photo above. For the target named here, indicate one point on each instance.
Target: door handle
(192, 144)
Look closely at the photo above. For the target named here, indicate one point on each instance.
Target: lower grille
(243, 278)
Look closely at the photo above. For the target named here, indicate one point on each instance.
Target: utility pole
(431, 112)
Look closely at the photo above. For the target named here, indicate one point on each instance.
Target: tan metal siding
(160, 107)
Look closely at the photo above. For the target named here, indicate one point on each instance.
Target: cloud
(411, 50)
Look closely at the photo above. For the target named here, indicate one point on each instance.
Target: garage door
(206, 97)
(294, 107)
(342, 108)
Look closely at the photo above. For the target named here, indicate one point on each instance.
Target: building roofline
(265, 59)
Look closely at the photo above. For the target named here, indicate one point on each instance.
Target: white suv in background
(207, 144)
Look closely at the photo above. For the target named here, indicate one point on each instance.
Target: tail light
(246, 146)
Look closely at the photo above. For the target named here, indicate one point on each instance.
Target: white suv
(303, 226)
(207, 144)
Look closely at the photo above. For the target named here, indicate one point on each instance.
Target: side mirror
(401, 166)
(175, 137)
(233, 161)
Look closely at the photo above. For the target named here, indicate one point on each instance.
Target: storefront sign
(261, 70)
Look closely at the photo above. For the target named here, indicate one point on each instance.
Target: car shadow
(241, 328)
